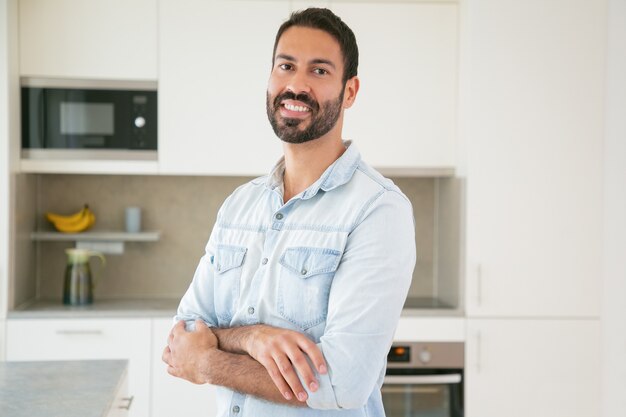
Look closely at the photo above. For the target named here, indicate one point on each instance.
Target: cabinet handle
(479, 340)
(79, 332)
(422, 379)
(130, 402)
(479, 285)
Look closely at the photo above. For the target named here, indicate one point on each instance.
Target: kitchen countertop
(63, 389)
(166, 307)
(126, 308)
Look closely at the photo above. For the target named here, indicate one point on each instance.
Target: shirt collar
(337, 174)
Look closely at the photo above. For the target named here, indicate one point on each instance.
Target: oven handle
(422, 379)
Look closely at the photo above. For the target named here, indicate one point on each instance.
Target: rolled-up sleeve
(198, 301)
(365, 302)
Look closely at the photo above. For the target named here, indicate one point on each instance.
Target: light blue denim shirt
(334, 262)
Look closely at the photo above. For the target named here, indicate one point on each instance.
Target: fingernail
(287, 395)
(302, 396)
(313, 386)
(322, 369)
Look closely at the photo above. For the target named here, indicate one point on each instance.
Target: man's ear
(350, 91)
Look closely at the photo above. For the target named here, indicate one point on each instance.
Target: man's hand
(186, 352)
(279, 351)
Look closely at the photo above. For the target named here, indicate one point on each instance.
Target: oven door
(433, 395)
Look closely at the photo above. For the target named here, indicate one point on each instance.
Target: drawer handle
(79, 332)
(130, 401)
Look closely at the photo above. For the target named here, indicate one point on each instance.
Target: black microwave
(88, 116)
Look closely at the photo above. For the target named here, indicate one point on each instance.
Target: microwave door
(33, 126)
(79, 119)
(88, 119)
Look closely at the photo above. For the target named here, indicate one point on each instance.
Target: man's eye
(285, 67)
(320, 71)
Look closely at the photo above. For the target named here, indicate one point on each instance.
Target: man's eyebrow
(322, 61)
(286, 57)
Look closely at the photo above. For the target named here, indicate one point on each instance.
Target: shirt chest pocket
(228, 263)
(306, 275)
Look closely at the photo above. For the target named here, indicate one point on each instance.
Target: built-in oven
(88, 119)
(424, 380)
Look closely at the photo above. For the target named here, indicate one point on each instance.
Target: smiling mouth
(299, 109)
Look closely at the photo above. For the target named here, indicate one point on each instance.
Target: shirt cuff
(324, 397)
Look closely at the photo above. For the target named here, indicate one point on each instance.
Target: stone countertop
(59, 389)
(118, 308)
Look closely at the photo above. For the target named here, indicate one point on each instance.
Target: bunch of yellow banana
(74, 223)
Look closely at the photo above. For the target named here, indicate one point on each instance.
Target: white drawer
(73, 339)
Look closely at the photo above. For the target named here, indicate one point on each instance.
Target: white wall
(614, 302)
(4, 170)
(9, 131)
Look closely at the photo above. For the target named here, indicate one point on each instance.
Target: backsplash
(183, 209)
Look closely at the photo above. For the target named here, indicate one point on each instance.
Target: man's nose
(298, 83)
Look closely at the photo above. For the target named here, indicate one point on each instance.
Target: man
(293, 307)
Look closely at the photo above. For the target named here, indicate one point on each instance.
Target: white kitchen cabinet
(404, 117)
(122, 403)
(533, 123)
(173, 396)
(101, 39)
(75, 339)
(213, 78)
(539, 368)
(214, 64)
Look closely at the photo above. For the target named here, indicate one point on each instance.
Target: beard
(323, 118)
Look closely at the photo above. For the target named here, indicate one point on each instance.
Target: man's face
(305, 94)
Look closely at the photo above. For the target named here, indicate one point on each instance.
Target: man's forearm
(281, 353)
(243, 374)
(234, 339)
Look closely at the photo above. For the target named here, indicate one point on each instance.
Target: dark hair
(330, 23)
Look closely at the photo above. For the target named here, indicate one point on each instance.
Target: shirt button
(304, 271)
(250, 310)
(236, 409)
(264, 261)
(279, 216)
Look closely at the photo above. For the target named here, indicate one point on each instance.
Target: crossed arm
(257, 360)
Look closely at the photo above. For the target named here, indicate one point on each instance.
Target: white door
(214, 64)
(538, 368)
(405, 112)
(173, 396)
(533, 120)
(78, 339)
(97, 39)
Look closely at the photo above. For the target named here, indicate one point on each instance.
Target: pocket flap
(307, 262)
(228, 257)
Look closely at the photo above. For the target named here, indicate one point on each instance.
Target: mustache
(303, 97)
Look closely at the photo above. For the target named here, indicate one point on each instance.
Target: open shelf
(97, 236)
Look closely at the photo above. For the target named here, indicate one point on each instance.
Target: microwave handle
(422, 379)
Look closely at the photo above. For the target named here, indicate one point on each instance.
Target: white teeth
(296, 108)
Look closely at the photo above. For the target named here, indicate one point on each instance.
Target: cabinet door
(214, 64)
(539, 368)
(405, 112)
(107, 39)
(534, 129)
(77, 339)
(173, 396)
